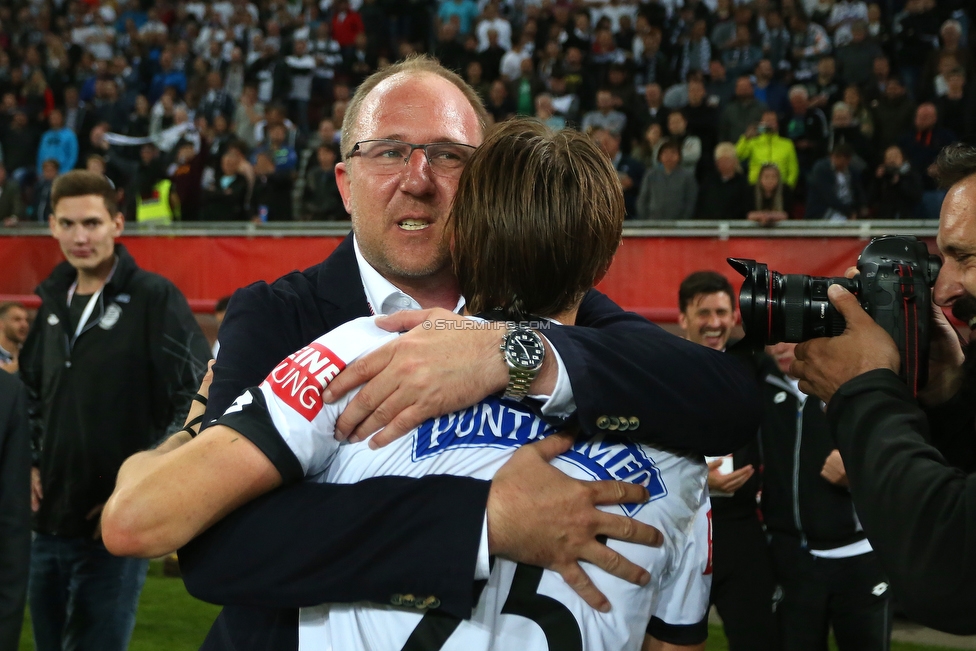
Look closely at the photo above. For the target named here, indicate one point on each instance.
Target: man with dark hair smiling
(743, 586)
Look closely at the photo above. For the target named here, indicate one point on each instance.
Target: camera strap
(910, 310)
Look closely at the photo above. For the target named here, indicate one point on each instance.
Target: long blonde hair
(777, 197)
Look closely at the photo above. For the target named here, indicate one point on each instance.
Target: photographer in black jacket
(909, 462)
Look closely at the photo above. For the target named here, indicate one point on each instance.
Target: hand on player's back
(436, 368)
(540, 516)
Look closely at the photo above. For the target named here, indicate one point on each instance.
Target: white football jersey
(520, 607)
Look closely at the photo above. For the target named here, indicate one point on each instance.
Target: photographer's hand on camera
(946, 358)
(822, 365)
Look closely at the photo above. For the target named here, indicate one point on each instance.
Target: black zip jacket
(117, 389)
(917, 509)
(796, 500)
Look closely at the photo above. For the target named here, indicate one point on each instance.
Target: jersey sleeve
(682, 614)
(286, 418)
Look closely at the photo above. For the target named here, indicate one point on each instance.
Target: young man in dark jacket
(829, 573)
(111, 364)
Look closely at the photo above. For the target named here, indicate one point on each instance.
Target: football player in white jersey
(525, 251)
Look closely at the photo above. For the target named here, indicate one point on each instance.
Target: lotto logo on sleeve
(298, 381)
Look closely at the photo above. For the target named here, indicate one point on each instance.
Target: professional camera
(894, 287)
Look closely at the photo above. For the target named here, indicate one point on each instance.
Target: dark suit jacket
(15, 536)
(392, 535)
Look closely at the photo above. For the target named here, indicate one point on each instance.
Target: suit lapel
(340, 286)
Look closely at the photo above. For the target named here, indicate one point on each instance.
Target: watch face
(524, 349)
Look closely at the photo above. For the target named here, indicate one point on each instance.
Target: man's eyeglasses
(390, 156)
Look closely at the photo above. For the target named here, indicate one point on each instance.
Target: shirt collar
(384, 297)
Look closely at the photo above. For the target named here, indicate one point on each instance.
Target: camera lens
(787, 307)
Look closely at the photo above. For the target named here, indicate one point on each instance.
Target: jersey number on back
(556, 621)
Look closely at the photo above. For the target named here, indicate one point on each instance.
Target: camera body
(894, 287)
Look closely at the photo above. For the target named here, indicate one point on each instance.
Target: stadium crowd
(712, 109)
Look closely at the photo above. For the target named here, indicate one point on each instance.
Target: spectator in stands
(566, 103)
(11, 200)
(186, 174)
(651, 65)
(41, 208)
(511, 64)
(761, 144)
(810, 42)
(247, 114)
(281, 153)
(668, 191)
(739, 114)
(844, 130)
(770, 91)
(771, 200)
(721, 89)
(525, 87)
(346, 24)
(500, 104)
(696, 53)
(650, 145)
(652, 109)
(491, 57)
(897, 188)
(491, 21)
(879, 30)
(167, 77)
(825, 88)
(844, 14)
(300, 67)
(776, 41)
(545, 112)
(629, 170)
(76, 116)
(724, 193)
(921, 146)
(691, 146)
(216, 100)
(37, 98)
(807, 128)
(860, 115)
(950, 35)
(893, 113)
(702, 116)
(856, 58)
(473, 75)
(915, 31)
(271, 195)
(935, 86)
(743, 57)
(322, 200)
(58, 143)
(224, 199)
(835, 192)
(139, 120)
(578, 77)
(956, 106)
(605, 116)
(448, 49)
(465, 10)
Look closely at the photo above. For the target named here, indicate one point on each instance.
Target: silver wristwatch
(524, 352)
